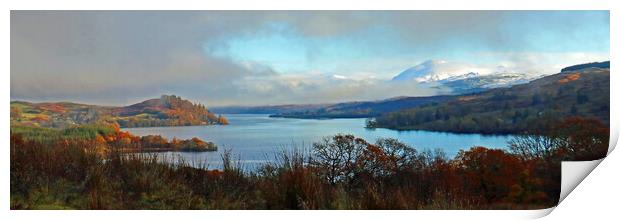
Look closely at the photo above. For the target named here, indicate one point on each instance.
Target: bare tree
(336, 156)
(532, 146)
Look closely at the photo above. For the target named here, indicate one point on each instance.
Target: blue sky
(284, 48)
(277, 57)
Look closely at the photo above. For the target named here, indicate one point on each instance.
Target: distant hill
(267, 109)
(363, 109)
(587, 65)
(168, 110)
(583, 91)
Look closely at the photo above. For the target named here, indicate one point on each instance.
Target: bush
(340, 172)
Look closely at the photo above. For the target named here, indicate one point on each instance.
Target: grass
(48, 135)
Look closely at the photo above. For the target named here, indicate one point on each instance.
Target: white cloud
(336, 76)
(541, 63)
(120, 57)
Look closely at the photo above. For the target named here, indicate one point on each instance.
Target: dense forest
(267, 109)
(530, 107)
(341, 172)
(169, 110)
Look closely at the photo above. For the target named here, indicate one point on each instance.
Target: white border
(311, 5)
(604, 169)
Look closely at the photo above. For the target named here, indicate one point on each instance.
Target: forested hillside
(267, 109)
(527, 107)
(169, 110)
(587, 65)
(364, 109)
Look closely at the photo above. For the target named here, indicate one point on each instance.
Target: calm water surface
(254, 138)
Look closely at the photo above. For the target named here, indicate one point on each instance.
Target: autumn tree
(490, 172)
(336, 157)
(581, 138)
(386, 157)
(575, 138)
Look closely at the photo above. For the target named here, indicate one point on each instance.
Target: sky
(224, 58)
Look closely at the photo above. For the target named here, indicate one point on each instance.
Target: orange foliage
(467, 98)
(386, 174)
(52, 107)
(582, 138)
(490, 171)
(16, 112)
(571, 77)
(214, 173)
(41, 118)
(100, 139)
(222, 120)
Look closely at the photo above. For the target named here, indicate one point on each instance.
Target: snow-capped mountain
(435, 70)
(462, 78)
(475, 83)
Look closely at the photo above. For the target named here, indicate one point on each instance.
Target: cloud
(111, 57)
(323, 88)
(540, 63)
(121, 57)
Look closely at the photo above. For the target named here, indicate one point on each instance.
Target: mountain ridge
(604, 64)
(364, 109)
(462, 78)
